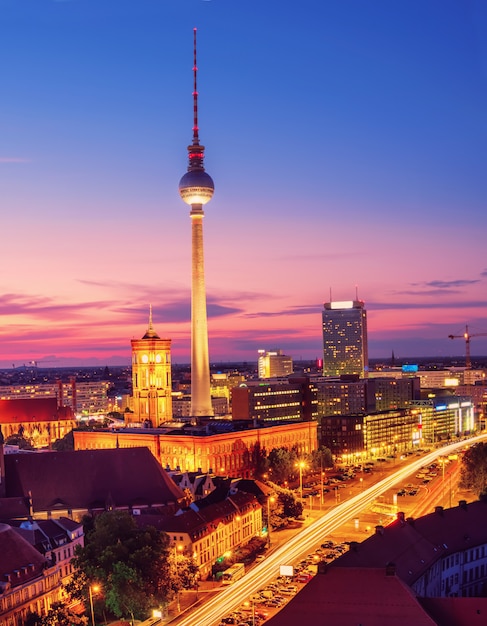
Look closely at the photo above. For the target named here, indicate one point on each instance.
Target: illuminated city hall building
(151, 379)
(345, 339)
(203, 449)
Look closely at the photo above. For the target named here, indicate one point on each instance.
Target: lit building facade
(275, 401)
(40, 420)
(344, 396)
(444, 418)
(29, 583)
(226, 453)
(345, 339)
(370, 435)
(151, 379)
(349, 394)
(84, 398)
(274, 364)
(181, 406)
(210, 532)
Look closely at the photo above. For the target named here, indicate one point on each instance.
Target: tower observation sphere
(196, 187)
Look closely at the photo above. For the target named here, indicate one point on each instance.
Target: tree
(473, 472)
(282, 463)
(58, 615)
(183, 573)
(259, 460)
(291, 507)
(61, 615)
(321, 459)
(130, 565)
(19, 440)
(66, 443)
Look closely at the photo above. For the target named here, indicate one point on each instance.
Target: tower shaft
(196, 189)
(200, 367)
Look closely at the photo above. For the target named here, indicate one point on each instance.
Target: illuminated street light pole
(269, 500)
(301, 465)
(176, 548)
(94, 588)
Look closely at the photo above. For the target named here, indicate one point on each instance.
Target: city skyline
(348, 148)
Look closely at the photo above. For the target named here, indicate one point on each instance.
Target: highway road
(230, 598)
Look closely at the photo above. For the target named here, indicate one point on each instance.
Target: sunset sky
(348, 145)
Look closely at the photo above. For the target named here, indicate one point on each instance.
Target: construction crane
(467, 336)
(37, 363)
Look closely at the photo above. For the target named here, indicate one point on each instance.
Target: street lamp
(301, 465)
(91, 589)
(246, 603)
(176, 549)
(269, 500)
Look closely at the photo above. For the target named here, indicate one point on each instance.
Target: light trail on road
(234, 595)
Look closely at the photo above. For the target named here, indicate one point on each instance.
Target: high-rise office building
(274, 364)
(196, 189)
(345, 338)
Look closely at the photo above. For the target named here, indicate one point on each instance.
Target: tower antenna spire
(195, 150)
(196, 139)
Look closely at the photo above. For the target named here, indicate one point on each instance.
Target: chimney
(390, 569)
(463, 504)
(354, 546)
(379, 530)
(410, 521)
(401, 517)
(439, 510)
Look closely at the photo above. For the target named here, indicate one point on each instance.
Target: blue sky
(346, 139)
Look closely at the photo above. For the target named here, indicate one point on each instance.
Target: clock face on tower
(158, 358)
(145, 358)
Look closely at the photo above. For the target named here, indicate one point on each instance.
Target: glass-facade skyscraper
(345, 339)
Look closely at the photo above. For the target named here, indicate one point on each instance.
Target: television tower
(196, 189)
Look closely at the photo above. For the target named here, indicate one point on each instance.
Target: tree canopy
(128, 563)
(473, 473)
(282, 463)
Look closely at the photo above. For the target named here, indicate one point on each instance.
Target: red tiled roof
(457, 611)
(87, 479)
(414, 545)
(17, 553)
(13, 508)
(18, 411)
(353, 596)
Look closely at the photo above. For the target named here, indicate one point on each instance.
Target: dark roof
(456, 611)
(18, 411)
(88, 479)
(197, 521)
(18, 558)
(413, 545)
(68, 524)
(258, 488)
(352, 596)
(13, 508)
